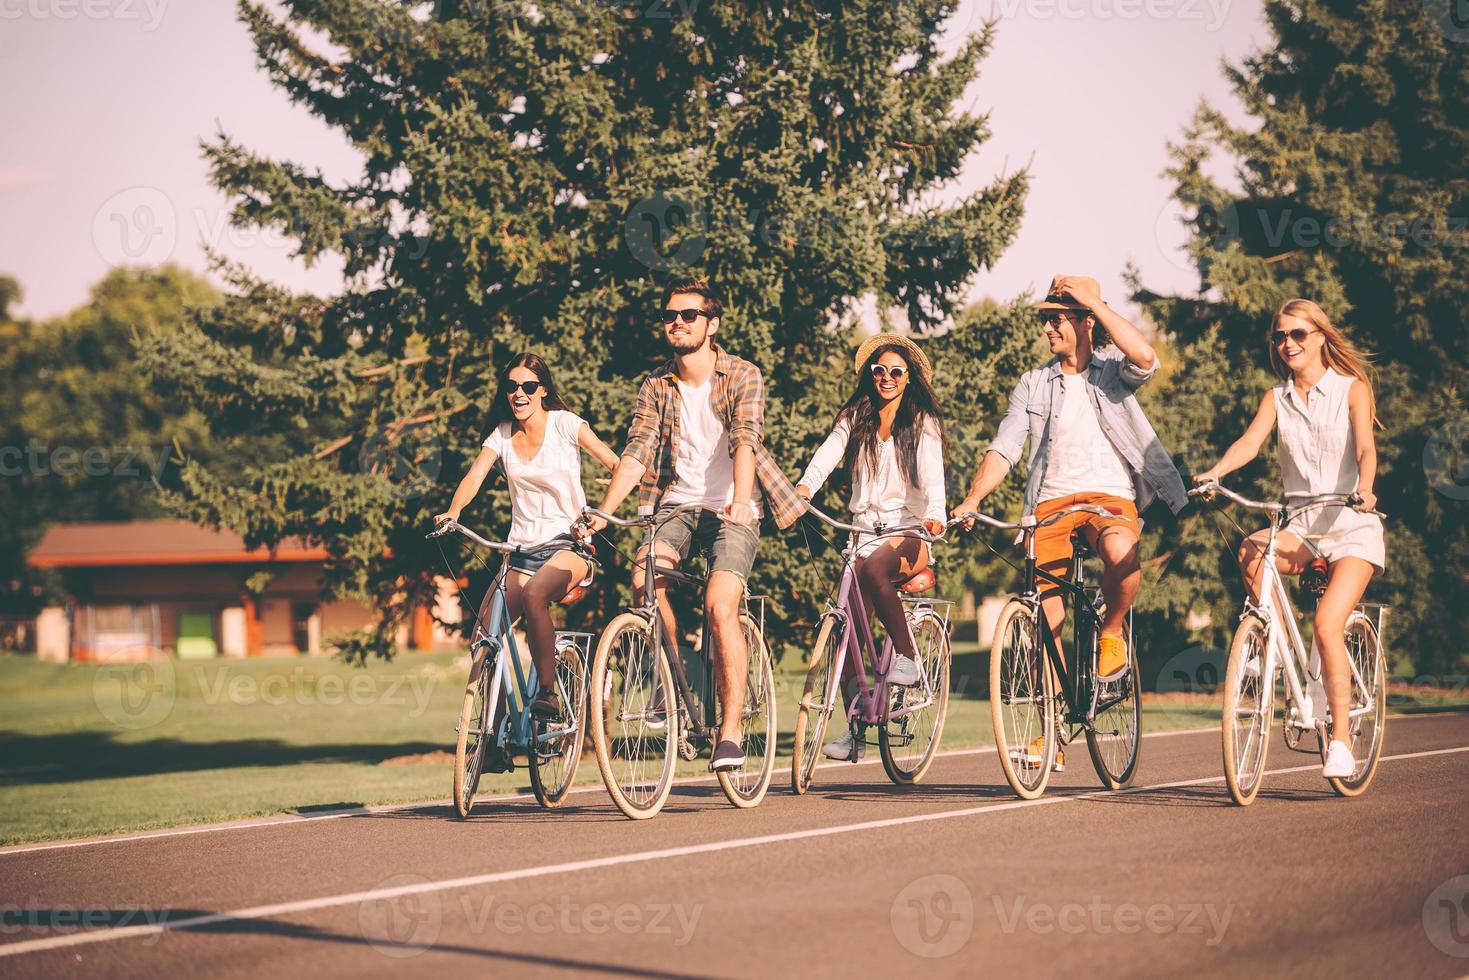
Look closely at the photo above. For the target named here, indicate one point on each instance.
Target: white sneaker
(1340, 763)
(903, 671)
(840, 749)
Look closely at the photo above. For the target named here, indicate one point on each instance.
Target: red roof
(155, 543)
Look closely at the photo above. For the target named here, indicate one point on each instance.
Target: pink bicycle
(909, 719)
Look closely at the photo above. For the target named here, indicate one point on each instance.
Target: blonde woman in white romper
(1324, 412)
(890, 436)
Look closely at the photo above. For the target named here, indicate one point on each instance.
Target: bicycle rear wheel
(1113, 738)
(1022, 701)
(634, 717)
(473, 733)
(556, 754)
(747, 785)
(1249, 706)
(908, 742)
(1369, 696)
(818, 701)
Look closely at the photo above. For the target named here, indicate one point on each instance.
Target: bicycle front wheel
(634, 717)
(1022, 701)
(1249, 704)
(747, 785)
(818, 701)
(474, 732)
(1112, 738)
(556, 752)
(1369, 703)
(909, 736)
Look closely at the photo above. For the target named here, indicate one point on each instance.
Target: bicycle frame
(1081, 707)
(869, 703)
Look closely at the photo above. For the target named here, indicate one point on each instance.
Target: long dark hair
(918, 404)
(500, 405)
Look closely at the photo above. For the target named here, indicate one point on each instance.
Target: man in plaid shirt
(697, 438)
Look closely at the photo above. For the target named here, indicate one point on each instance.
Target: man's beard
(686, 345)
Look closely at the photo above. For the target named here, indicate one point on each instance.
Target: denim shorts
(727, 547)
(530, 562)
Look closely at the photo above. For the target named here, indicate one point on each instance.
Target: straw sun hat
(912, 353)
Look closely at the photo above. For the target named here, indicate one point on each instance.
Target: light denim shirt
(1112, 383)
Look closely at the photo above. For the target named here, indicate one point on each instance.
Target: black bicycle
(1037, 704)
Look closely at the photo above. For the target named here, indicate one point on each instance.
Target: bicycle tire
(1114, 737)
(1365, 650)
(571, 681)
(469, 748)
(934, 654)
(818, 702)
(741, 787)
(1248, 711)
(1019, 712)
(620, 757)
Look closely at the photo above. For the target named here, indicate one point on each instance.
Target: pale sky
(107, 101)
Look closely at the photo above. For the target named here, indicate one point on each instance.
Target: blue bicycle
(495, 723)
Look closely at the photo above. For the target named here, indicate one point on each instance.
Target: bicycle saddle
(920, 582)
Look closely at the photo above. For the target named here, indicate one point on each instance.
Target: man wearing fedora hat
(1089, 444)
(697, 437)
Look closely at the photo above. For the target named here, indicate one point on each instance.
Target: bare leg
(533, 601)
(1344, 589)
(722, 598)
(1121, 573)
(1291, 557)
(666, 558)
(895, 560)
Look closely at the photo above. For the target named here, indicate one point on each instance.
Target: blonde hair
(1340, 354)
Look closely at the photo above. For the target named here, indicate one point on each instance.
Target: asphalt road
(952, 877)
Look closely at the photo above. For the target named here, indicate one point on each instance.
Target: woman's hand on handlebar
(448, 515)
(586, 526)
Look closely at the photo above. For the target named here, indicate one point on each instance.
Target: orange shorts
(1053, 544)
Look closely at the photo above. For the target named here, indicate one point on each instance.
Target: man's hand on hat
(1078, 290)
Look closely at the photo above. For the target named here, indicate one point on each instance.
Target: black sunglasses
(1046, 319)
(524, 387)
(880, 371)
(1298, 335)
(688, 316)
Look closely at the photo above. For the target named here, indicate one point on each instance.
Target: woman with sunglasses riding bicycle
(1323, 412)
(539, 441)
(890, 439)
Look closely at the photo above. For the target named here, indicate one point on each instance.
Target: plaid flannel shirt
(738, 397)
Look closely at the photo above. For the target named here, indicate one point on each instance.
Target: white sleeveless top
(1317, 452)
(546, 495)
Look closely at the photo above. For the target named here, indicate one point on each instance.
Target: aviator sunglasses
(1298, 335)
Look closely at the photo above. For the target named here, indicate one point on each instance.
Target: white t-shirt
(546, 496)
(703, 469)
(1082, 458)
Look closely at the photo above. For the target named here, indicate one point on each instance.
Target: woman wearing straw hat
(890, 438)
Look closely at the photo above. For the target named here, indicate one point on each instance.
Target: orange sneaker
(1111, 657)
(1035, 753)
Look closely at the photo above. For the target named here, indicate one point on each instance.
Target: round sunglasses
(880, 371)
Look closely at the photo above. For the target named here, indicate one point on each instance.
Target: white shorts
(1340, 532)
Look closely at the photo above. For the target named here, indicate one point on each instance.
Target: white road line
(378, 894)
(288, 820)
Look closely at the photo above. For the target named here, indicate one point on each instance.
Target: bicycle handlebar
(455, 527)
(1029, 522)
(917, 529)
(650, 520)
(1352, 500)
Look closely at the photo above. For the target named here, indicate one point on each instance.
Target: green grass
(88, 749)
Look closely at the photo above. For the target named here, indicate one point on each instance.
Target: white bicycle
(1268, 655)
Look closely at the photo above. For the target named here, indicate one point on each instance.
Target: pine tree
(1352, 191)
(532, 174)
